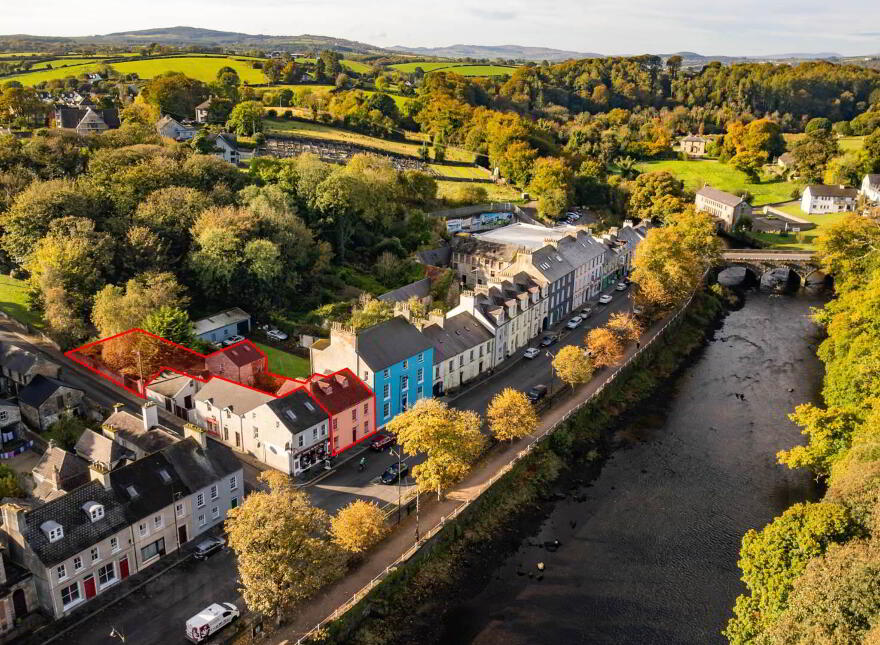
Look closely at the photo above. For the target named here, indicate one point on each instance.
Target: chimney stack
(194, 431)
(100, 473)
(150, 415)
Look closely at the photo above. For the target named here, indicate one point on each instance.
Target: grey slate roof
(458, 334)
(390, 342)
(873, 180)
(580, 250)
(418, 289)
(69, 117)
(238, 398)
(198, 467)
(39, 389)
(820, 190)
(720, 196)
(549, 261)
(142, 488)
(297, 411)
(95, 447)
(439, 257)
(131, 428)
(15, 358)
(69, 466)
(169, 383)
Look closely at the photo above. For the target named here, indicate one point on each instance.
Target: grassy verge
(409, 605)
(14, 301)
(496, 192)
(284, 363)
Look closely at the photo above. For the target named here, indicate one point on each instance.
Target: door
(123, 568)
(181, 534)
(19, 603)
(238, 440)
(89, 586)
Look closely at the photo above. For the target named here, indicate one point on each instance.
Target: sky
(711, 27)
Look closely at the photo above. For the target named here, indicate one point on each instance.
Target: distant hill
(693, 59)
(516, 52)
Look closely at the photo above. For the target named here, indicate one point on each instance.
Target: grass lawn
(807, 238)
(851, 144)
(284, 363)
(13, 301)
(466, 172)
(721, 176)
(322, 131)
(497, 192)
(351, 65)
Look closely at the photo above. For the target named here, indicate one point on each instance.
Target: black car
(536, 393)
(547, 341)
(381, 441)
(208, 547)
(391, 474)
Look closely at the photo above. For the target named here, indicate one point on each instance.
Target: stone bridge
(759, 261)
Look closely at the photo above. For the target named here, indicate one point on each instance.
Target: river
(648, 550)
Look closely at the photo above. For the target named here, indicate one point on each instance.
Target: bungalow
(870, 189)
(86, 120)
(393, 358)
(822, 199)
(694, 145)
(242, 363)
(220, 326)
(291, 433)
(172, 129)
(45, 399)
(226, 147)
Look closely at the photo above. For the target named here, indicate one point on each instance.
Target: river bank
(648, 550)
(409, 604)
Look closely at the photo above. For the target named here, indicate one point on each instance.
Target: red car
(381, 441)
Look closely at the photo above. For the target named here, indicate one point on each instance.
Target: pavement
(157, 612)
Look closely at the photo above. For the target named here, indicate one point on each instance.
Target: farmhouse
(870, 189)
(173, 129)
(828, 199)
(226, 147)
(86, 120)
(725, 207)
(694, 145)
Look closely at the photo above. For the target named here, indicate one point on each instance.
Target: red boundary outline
(302, 383)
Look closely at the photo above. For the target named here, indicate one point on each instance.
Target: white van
(210, 620)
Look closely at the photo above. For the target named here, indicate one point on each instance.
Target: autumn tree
(282, 546)
(625, 326)
(812, 154)
(572, 365)
(830, 433)
(175, 93)
(449, 439)
(553, 183)
(605, 347)
(511, 415)
(371, 311)
(358, 526)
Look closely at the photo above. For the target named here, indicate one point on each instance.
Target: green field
(198, 67)
(321, 131)
(59, 62)
(459, 68)
(851, 144)
(496, 192)
(13, 301)
(465, 172)
(718, 175)
(284, 363)
(409, 68)
(351, 65)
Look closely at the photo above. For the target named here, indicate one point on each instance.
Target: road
(197, 584)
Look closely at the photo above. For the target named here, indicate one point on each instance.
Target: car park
(208, 547)
(232, 340)
(381, 441)
(586, 312)
(621, 286)
(210, 620)
(276, 334)
(604, 300)
(547, 341)
(574, 323)
(391, 474)
(531, 352)
(536, 393)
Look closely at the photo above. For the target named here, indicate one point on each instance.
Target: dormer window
(94, 510)
(53, 530)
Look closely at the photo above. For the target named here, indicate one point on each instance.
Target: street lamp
(396, 453)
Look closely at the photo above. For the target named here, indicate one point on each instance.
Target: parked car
(621, 286)
(276, 334)
(547, 341)
(210, 620)
(531, 352)
(232, 340)
(391, 474)
(536, 393)
(586, 312)
(574, 323)
(604, 300)
(208, 547)
(381, 441)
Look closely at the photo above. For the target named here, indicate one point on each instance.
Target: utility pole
(399, 478)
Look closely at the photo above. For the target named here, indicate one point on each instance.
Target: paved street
(157, 613)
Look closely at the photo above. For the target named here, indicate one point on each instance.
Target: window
(406, 365)
(421, 375)
(366, 375)
(96, 554)
(386, 410)
(114, 544)
(354, 416)
(3, 415)
(70, 595)
(451, 365)
(461, 360)
(256, 432)
(386, 373)
(214, 492)
(201, 519)
(422, 358)
(472, 352)
(200, 500)
(215, 512)
(157, 522)
(155, 549)
(419, 392)
(314, 433)
(61, 570)
(142, 529)
(77, 563)
(233, 482)
(107, 574)
(335, 424)
(386, 391)
(366, 427)
(179, 509)
(404, 382)
(366, 408)
(300, 440)
(233, 503)
(404, 401)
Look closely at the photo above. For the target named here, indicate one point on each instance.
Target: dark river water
(650, 555)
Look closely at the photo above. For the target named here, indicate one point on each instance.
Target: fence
(501, 472)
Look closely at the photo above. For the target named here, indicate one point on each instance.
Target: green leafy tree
(176, 94)
(171, 323)
(246, 118)
(812, 154)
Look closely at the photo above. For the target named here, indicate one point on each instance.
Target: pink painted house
(350, 404)
(242, 363)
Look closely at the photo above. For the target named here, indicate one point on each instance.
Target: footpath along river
(648, 551)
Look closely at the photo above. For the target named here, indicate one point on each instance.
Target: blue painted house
(394, 358)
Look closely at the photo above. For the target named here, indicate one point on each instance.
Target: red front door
(89, 586)
(123, 568)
